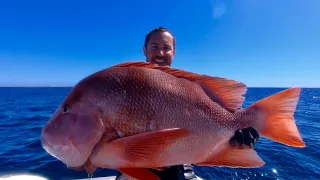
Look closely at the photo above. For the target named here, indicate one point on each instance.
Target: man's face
(160, 49)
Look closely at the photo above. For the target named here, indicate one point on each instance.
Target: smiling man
(159, 47)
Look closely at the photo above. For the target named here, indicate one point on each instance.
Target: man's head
(159, 46)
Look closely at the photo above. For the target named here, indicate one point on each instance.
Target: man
(159, 48)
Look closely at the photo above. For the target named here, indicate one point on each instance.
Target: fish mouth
(68, 153)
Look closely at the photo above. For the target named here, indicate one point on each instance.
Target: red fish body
(138, 115)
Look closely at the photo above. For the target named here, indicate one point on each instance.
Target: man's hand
(247, 136)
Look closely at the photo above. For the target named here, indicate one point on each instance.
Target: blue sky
(261, 43)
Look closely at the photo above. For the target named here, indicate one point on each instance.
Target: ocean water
(24, 111)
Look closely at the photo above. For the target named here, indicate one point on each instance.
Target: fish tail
(274, 117)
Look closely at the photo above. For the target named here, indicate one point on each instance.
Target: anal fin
(236, 157)
(145, 145)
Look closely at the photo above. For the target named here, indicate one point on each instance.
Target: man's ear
(144, 50)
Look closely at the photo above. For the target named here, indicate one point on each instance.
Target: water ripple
(24, 111)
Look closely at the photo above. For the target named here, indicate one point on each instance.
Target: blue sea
(24, 111)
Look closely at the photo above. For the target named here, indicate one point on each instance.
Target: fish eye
(65, 109)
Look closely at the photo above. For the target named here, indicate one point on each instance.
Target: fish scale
(131, 102)
(138, 115)
(169, 102)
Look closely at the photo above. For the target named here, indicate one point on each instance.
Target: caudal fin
(276, 121)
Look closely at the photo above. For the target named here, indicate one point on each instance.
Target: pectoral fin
(143, 146)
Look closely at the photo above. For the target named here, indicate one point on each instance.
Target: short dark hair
(158, 29)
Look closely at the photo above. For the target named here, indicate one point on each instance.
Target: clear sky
(261, 43)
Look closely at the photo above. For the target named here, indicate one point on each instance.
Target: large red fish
(137, 115)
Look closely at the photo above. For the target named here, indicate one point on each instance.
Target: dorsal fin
(226, 92)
